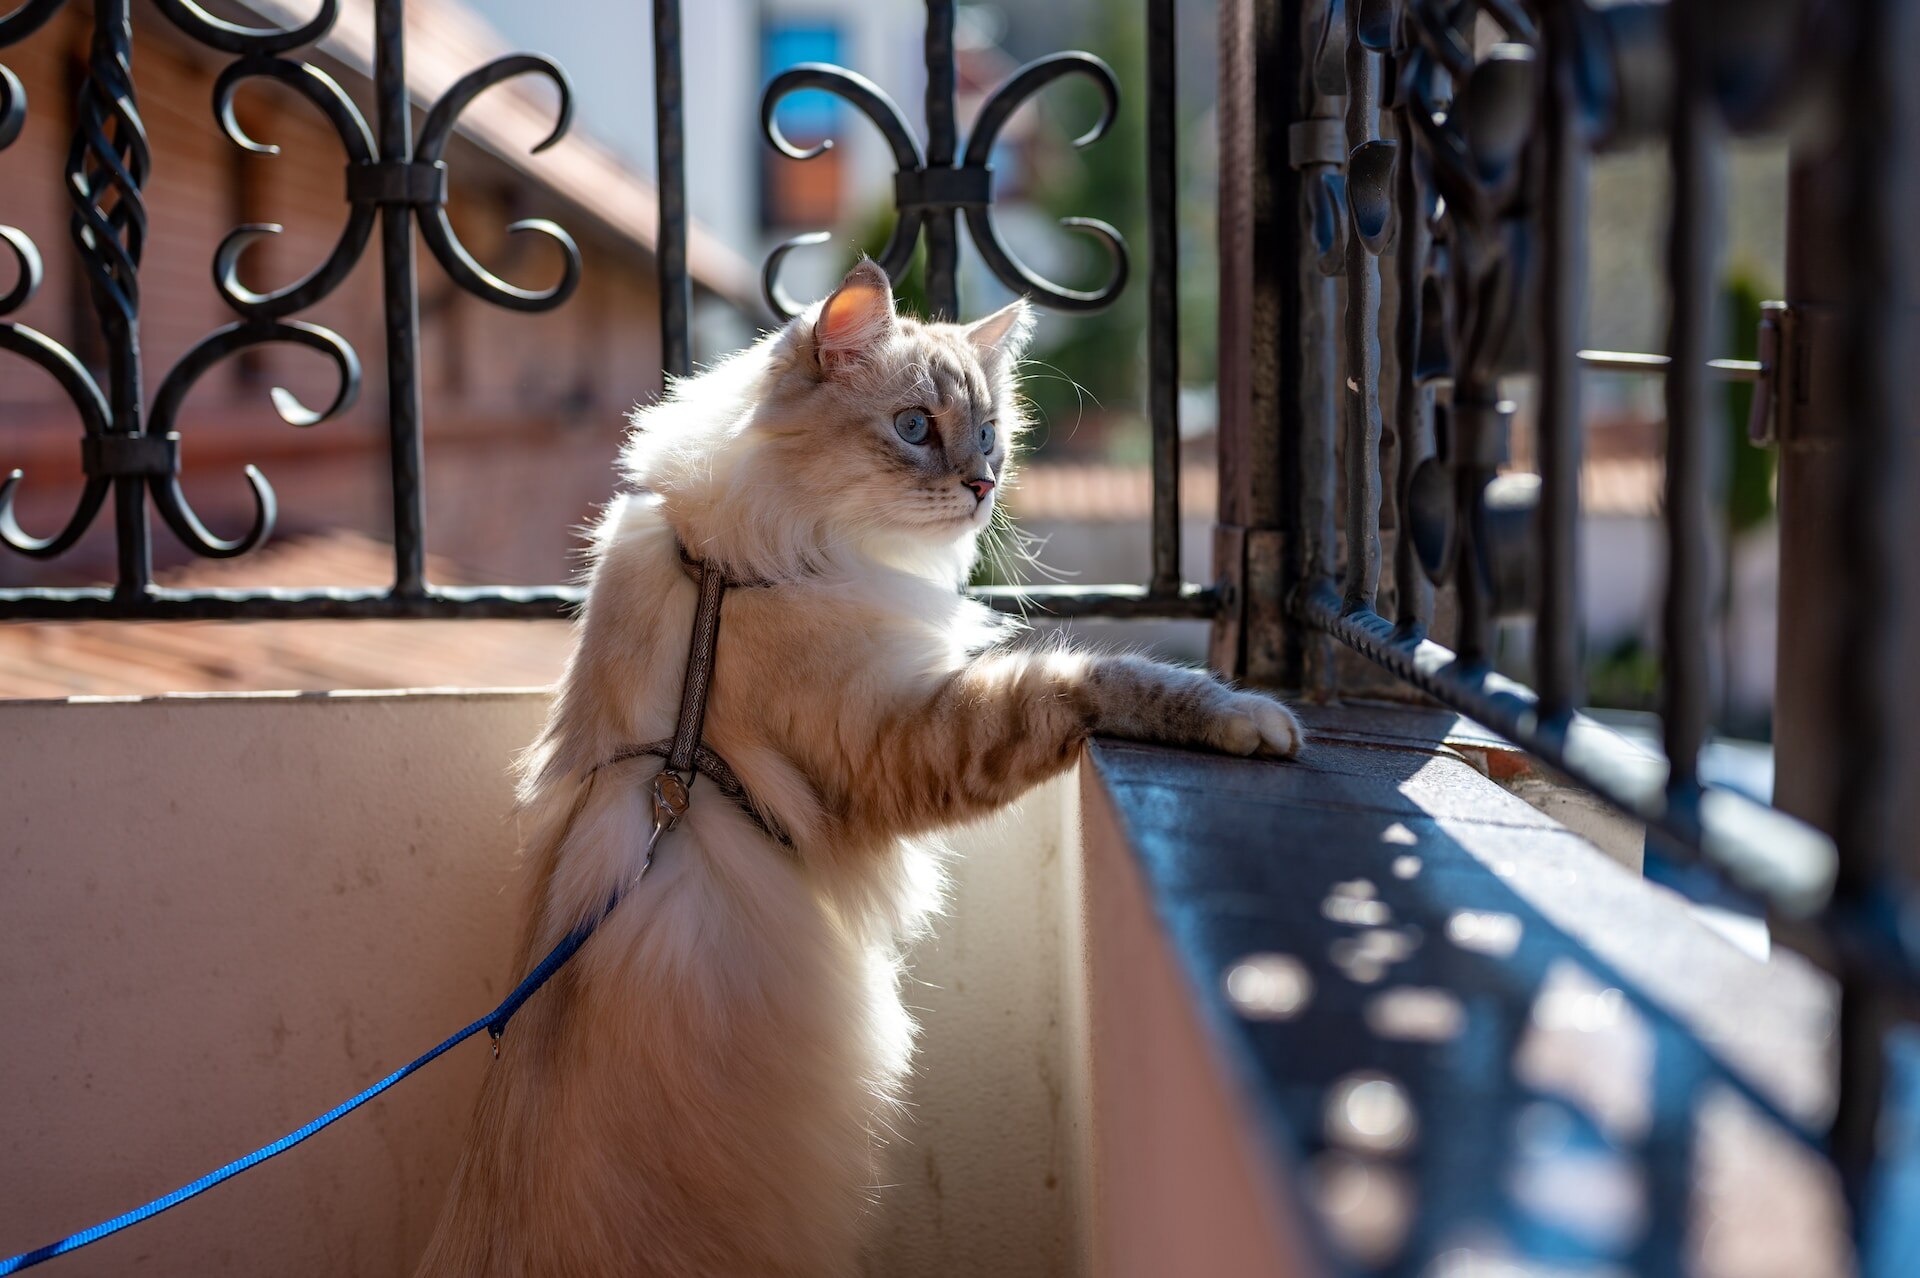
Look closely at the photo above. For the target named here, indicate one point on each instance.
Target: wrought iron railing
(1445, 144)
(397, 180)
(1458, 162)
(130, 449)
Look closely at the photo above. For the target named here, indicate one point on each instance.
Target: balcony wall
(220, 916)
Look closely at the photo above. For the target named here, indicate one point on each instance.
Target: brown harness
(686, 756)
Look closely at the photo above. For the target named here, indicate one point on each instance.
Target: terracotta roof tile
(147, 658)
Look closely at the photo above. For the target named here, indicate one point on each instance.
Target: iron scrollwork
(1457, 179)
(105, 173)
(1472, 120)
(923, 189)
(1477, 192)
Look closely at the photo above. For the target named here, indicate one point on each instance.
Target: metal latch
(1763, 418)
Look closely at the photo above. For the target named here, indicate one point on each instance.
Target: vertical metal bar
(670, 151)
(113, 40)
(1312, 396)
(1476, 424)
(1262, 255)
(1393, 361)
(407, 447)
(1412, 403)
(1362, 363)
(1320, 414)
(1562, 310)
(106, 166)
(1880, 337)
(1810, 731)
(1240, 118)
(1163, 295)
(1876, 685)
(1473, 418)
(1693, 156)
(943, 242)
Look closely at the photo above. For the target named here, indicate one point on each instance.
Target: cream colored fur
(700, 1091)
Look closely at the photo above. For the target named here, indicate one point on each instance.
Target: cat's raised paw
(1254, 724)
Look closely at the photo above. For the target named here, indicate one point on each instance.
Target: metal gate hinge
(1801, 392)
(1763, 417)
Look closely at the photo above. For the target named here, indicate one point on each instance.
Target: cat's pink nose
(981, 487)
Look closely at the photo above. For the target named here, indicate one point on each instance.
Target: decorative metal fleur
(106, 170)
(925, 191)
(1474, 140)
(1466, 129)
(1474, 122)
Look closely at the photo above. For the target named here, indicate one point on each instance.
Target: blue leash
(494, 1022)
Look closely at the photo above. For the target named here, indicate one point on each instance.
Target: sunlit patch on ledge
(1416, 1014)
(1269, 987)
(1489, 932)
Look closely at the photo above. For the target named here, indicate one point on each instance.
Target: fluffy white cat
(698, 1092)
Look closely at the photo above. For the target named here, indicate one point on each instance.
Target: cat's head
(853, 424)
(914, 423)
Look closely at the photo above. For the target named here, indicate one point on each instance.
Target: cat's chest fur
(807, 671)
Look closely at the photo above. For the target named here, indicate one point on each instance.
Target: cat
(698, 1092)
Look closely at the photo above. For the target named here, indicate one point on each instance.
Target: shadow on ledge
(1472, 1041)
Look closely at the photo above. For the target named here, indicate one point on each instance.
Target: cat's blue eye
(986, 438)
(911, 424)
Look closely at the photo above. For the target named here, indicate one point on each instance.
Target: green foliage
(1626, 678)
(1103, 353)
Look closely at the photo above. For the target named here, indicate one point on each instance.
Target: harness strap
(695, 567)
(684, 752)
(693, 688)
(715, 769)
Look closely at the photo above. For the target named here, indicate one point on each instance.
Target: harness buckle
(670, 800)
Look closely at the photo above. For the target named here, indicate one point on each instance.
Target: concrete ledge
(1454, 1024)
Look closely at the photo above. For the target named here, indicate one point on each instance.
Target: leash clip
(670, 800)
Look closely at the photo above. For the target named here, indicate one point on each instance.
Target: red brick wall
(523, 412)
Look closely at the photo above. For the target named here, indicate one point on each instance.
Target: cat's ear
(855, 320)
(1001, 338)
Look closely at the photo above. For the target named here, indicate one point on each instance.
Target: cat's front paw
(1250, 723)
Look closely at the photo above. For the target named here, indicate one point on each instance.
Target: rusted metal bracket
(1802, 368)
(1762, 430)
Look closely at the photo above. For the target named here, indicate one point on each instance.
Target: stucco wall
(220, 916)
(1180, 1179)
